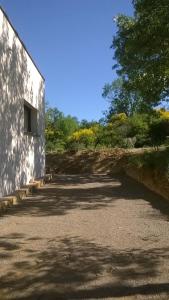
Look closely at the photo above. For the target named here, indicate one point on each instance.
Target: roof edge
(16, 33)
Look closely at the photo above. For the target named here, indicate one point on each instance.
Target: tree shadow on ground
(89, 192)
(73, 268)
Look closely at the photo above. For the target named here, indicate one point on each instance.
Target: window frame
(27, 119)
(31, 112)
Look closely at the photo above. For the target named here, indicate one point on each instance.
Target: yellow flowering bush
(84, 136)
(120, 118)
(82, 133)
(164, 114)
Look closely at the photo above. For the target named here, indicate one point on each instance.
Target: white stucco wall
(22, 156)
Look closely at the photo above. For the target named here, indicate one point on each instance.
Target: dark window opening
(27, 119)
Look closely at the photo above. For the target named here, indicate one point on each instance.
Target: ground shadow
(89, 192)
(73, 268)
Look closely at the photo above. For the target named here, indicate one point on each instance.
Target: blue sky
(70, 42)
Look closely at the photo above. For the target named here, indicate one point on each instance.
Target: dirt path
(86, 237)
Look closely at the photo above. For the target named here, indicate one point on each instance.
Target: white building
(22, 152)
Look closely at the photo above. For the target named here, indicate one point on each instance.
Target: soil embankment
(86, 162)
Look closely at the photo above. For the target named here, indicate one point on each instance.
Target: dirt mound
(108, 161)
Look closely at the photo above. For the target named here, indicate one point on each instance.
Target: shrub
(84, 136)
(155, 160)
(158, 131)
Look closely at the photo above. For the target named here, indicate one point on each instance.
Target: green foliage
(113, 134)
(58, 129)
(67, 125)
(84, 136)
(121, 100)
(138, 130)
(89, 135)
(138, 124)
(120, 118)
(154, 160)
(86, 124)
(138, 127)
(142, 50)
(158, 131)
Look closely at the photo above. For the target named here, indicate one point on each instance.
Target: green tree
(138, 129)
(67, 125)
(52, 115)
(58, 129)
(87, 124)
(122, 100)
(142, 49)
(159, 130)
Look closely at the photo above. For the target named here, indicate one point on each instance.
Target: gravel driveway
(86, 237)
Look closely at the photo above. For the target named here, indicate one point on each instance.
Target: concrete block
(37, 183)
(22, 193)
(41, 181)
(2, 206)
(29, 187)
(7, 202)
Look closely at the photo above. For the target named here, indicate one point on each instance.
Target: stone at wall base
(20, 194)
(7, 202)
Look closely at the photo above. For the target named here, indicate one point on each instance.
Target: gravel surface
(86, 237)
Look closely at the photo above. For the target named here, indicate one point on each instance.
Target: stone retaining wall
(154, 181)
